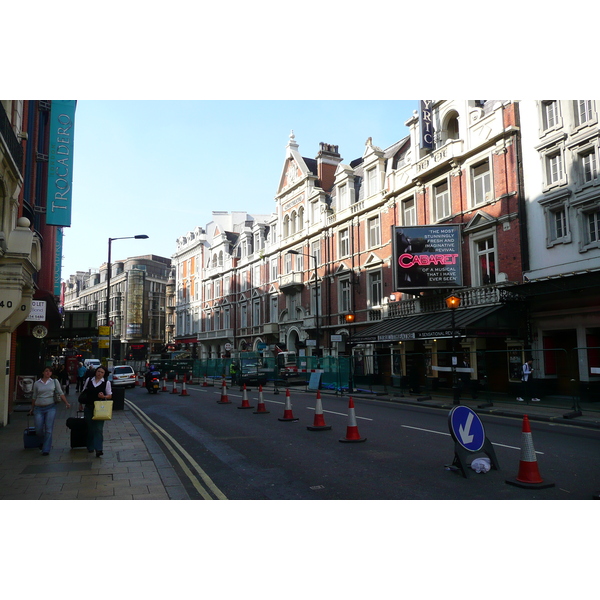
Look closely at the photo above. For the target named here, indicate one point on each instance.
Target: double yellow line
(179, 453)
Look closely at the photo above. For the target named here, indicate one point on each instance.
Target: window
(343, 196)
(288, 263)
(274, 309)
(372, 186)
(441, 201)
(301, 218)
(315, 250)
(274, 270)
(293, 223)
(315, 296)
(558, 224)
(592, 222)
(550, 114)
(256, 313)
(226, 319)
(299, 262)
(344, 243)
(481, 183)
(244, 315)
(375, 288)
(344, 300)
(373, 233)
(589, 170)
(584, 111)
(554, 168)
(286, 226)
(409, 212)
(486, 257)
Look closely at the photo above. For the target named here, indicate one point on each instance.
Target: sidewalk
(133, 466)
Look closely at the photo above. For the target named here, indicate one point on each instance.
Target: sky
(160, 168)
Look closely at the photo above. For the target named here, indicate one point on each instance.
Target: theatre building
(454, 192)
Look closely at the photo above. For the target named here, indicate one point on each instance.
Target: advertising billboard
(427, 257)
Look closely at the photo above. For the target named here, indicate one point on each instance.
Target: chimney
(327, 161)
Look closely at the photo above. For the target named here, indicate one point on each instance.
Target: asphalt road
(222, 451)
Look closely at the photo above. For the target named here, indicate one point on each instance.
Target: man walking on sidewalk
(528, 384)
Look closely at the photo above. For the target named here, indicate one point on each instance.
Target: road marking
(341, 414)
(162, 435)
(444, 433)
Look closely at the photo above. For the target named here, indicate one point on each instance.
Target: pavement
(134, 466)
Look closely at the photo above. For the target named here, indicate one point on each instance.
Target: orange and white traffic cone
(529, 474)
(287, 412)
(143, 382)
(319, 422)
(174, 389)
(245, 403)
(261, 409)
(184, 391)
(205, 382)
(164, 387)
(224, 398)
(352, 434)
(137, 379)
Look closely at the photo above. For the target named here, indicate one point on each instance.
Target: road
(221, 451)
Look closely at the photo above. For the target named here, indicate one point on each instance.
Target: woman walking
(43, 407)
(95, 388)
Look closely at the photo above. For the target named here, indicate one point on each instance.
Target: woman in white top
(43, 407)
(95, 388)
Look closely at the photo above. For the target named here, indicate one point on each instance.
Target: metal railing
(10, 139)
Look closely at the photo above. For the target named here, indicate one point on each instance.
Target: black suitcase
(78, 427)
(31, 439)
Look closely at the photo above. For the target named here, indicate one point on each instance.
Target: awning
(483, 321)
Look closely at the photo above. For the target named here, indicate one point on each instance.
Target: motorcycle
(153, 384)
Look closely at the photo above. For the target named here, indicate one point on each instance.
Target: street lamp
(108, 270)
(453, 302)
(349, 318)
(316, 301)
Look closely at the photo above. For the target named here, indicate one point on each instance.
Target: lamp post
(317, 347)
(349, 318)
(108, 270)
(453, 302)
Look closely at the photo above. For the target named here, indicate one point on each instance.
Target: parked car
(123, 375)
(92, 363)
(252, 373)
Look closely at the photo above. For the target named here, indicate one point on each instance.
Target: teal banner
(60, 163)
(58, 261)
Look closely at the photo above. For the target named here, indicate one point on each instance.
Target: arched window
(294, 223)
(286, 226)
(451, 128)
(301, 218)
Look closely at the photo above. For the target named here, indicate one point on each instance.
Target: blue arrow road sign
(466, 428)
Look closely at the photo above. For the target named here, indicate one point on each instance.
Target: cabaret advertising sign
(427, 257)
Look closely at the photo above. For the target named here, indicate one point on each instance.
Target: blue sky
(161, 167)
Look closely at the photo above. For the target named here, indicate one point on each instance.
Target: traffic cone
(184, 391)
(205, 382)
(224, 398)
(245, 403)
(352, 434)
(137, 380)
(529, 474)
(287, 413)
(164, 387)
(261, 409)
(319, 422)
(143, 382)
(174, 390)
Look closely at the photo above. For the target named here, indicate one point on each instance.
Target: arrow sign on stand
(466, 428)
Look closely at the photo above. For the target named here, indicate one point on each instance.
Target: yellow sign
(103, 343)
(104, 330)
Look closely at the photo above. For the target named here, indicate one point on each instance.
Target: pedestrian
(95, 388)
(233, 371)
(63, 378)
(528, 382)
(81, 371)
(43, 407)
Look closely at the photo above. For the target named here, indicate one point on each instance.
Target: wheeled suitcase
(78, 427)
(30, 438)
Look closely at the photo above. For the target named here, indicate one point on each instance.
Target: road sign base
(461, 455)
(318, 428)
(530, 486)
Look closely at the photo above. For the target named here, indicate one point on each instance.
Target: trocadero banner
(60, 163)
(427, 257)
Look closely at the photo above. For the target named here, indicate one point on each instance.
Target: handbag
(56, 392)
(83, 397)
(102, 410)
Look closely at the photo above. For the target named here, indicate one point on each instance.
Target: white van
(92, 363)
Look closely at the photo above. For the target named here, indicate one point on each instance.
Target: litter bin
(118, 398)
